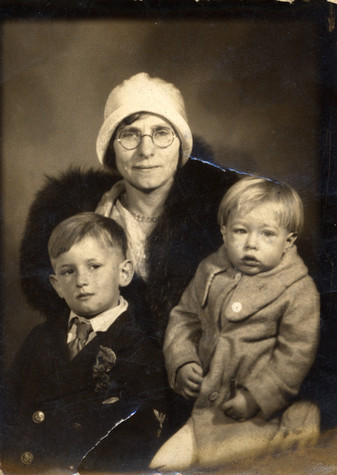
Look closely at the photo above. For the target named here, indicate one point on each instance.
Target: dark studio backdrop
(259, 85)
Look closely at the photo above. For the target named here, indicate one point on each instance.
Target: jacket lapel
(256, 292)
(109, 338)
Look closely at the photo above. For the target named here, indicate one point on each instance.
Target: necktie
(83, 330)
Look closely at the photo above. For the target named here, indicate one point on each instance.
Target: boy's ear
(223, 232)
(55, 283)
(125, 273)
(291, 238)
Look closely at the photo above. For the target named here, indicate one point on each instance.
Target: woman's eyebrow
(130, 127)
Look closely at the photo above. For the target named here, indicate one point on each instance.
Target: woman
(165, 201)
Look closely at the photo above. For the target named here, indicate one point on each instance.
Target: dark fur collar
(186, 232)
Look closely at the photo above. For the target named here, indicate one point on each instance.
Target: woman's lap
(178, 452)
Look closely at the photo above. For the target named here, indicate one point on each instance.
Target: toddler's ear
(223, 233)
(291, 238)
(55, 283)
(125, 273)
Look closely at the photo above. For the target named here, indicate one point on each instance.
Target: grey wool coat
(258, 332)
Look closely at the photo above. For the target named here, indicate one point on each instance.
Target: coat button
(237, 277)
(38, 417)
(27, 458)
(213, 396)
(76, 426)
(237, 307)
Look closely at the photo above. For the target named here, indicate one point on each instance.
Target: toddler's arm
(242, 406)
(189, 379)
(183, 333)
(275, 384)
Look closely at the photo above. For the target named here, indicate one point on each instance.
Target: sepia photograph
(169, 237)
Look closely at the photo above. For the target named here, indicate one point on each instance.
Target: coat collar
(215, 264)
(251, 293)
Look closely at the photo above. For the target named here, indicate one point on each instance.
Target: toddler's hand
(242, 406)
(189, 379)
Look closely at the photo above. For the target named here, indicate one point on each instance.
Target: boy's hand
(242, 406)
(189, 379)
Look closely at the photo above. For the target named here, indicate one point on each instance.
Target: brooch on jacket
(105, 360)
(160, 416)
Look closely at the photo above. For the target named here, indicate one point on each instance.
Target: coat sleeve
(18, 378)
(140, 371)
(276, 383)
(184, 330)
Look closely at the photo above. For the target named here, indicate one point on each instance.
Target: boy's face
(255, 240)
(88, 276)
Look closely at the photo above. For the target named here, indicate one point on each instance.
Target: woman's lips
(145, 168)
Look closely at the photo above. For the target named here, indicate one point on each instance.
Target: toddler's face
(88, 276)
(255, 240)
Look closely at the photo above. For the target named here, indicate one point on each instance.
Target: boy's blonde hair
(72, 230)
(252, 191)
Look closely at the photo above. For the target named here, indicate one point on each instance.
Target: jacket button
(237, 277)
(27, 458)
(76, 426)
(213, 396)
(38, 417)
(237, 307)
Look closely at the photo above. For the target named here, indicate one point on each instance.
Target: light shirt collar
(104, 320)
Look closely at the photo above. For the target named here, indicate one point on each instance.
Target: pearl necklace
(138, 217)
(143, 219)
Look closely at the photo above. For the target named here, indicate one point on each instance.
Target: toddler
(245, 332)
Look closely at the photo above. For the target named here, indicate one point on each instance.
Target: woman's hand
(189, 379)
(242, 406)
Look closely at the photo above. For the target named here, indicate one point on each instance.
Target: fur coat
(186, 232)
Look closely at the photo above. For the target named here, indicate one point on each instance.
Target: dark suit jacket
(58, 410)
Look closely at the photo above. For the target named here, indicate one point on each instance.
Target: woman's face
(147, 167)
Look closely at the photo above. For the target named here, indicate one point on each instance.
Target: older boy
(245, 332)
(85, 389)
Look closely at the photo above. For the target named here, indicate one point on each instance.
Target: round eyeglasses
(131, 138)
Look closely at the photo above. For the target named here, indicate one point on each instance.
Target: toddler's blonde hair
(251, 191)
